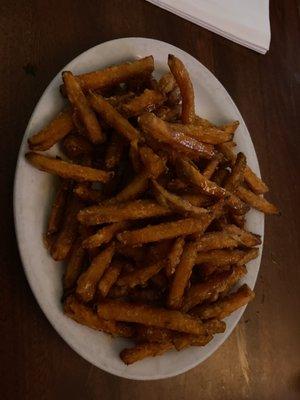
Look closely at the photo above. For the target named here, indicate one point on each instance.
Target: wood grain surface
(261, 358)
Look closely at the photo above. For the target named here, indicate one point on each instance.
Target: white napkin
(243, 21)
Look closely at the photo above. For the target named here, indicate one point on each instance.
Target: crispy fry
(56, 130)
(87, 282)
(165, 230)
(153, 163)
(112, 117)
(256, 201)
(75, 146)
(84, 315)
(67, 170)
(141, 351)
(147, 315)
(216, 240)
(174, 256)
(136, 187)
(212, 166)
(110, 277)
(215, 285)
(130, 210)
(218, 258)
(226, 305)
(80, 103)
(167, 83)
(182, 275)
(104, 235)
(211, 135)
(75, 265)
(153, 334)
(58, 208)
(114, 151)
(86, 193)
(186, 88)
(244, 237)
(147, 101)
(139, 276)
(235, 179)
(160, 131)
(119, 99)
(67, 235)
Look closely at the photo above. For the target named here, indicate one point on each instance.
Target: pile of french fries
(150, 210)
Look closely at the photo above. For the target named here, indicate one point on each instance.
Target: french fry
(168, 114)
(160, 131)
(236, 178)
(153, 163)
(68, 232)
(74, 265)
(80, 103)
(244, 237)
(141, 351)
(182, 275)
(238, 220)
(220, 176)
(58, 208)
(136, 187)
(112, 117)
(174, 97)
(183, 341)
(217, 240)
(87, 282)
(148, 315)
(86, 193)
(75, 146)
(131, 210)
(119, 99)
(256, 201)
(165, 230)
(139, 276)
(186, 88)
(67, 170)
(212, 166)
(85, 316)
(226, 305)
(215, 285)
(211, 135)
(114, 151)
(220, 257)
(110, 277)
(174, 256)
(174, 202)
(104, 235)
(147, 101)
(56, 130)
(116, 74)
(167, 83)
(153, 334)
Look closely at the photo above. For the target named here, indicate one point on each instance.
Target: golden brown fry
(137, 209)
(74, 265)
(174, 97)
(255, 183)
(141, 351)
(165, 230)
(75, 146)
(80, 103)
(256, 201)
(110, 277)
(87, 282)
(184, 340)
(153, 334)
(136, 187)
(86, 193)
(104, 235)
(182, 275)
(219, 258)
(147, 101)
(235, 179)
(58, 208)
(186, 88)
(160, 131)
(84, 315)
(67, 170)
(215, 285)
(56, 130)
(140, 276)
(244, 237)
(112, 117)
(67, 235)
(119, 99)
(216, 240)
(167, 83)
(153, 163)
(114, 151)
(174, 256)
(148, 315)
(203, 134)
(226, 305)
(212, 166)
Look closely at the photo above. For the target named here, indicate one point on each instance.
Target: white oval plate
(34, 189)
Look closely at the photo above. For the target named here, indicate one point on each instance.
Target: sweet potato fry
(80, 103)
(226, 305)
(153, 163)
(165, 230)
(147, 101)
(114, 151)
(139, 276)
(141, 351)
(256, 201)
(58, 208)
(67, 235)
(215, 285)
(104, 235)
(244, 237)
(182, 275)
(186, 88)
(112, 117)
(235, 179)
(87, 282)
(56, 130)
(211, 135)
(160, 131)
(167, 83)
(148, 315)
(86, 193)
(174, 256)
(110, 277)
(130, 210)
(75, 146)
(85, 316)
(67, 170)
(74, 265)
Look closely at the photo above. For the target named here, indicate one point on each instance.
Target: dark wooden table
(261, 359)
